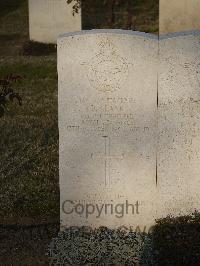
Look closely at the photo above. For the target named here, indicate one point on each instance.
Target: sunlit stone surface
(129, 127)
(107, 125)
(179, 15)
(179, 124)
(50, 18)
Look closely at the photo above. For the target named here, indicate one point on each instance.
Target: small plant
(176, 240)
(7, 93)
(102, 246)
(173, 241)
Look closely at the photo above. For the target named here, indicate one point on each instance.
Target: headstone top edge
(179, 34)
(109, 31)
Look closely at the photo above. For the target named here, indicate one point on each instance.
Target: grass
(29, 141)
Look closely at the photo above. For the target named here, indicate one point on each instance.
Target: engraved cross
(108, 158)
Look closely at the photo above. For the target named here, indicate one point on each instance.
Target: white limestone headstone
(50, 18)
(179, 15)
(107, 127)
(179, 124)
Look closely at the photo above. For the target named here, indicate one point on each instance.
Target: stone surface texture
(179, 124)
(50, 18)
(179, 15)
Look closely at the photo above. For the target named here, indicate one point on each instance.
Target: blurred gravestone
(179, 15)
(50, 18)
(107, 124)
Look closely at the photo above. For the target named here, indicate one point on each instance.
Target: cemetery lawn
(29, 143)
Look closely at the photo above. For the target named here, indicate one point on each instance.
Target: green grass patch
(29, 141)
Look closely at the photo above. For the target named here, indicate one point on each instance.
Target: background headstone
(107, 125)
(50, 18)
(179, 15)
(179, 124)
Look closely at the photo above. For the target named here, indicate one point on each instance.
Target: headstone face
(107, 125)
(50, 18)
(179, 124)
(129, 127)
(179, 15)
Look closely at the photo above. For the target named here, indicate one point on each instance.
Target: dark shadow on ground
(26, 245)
